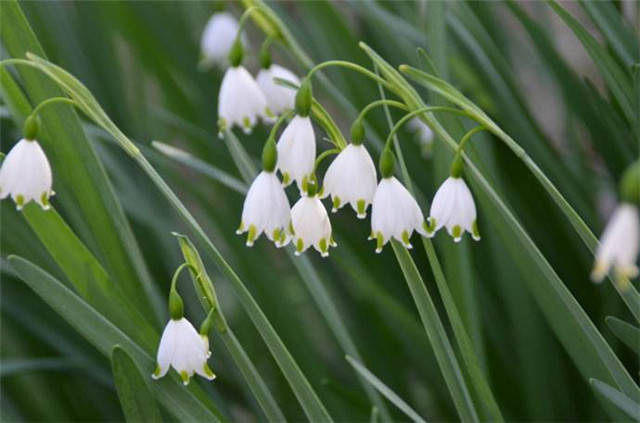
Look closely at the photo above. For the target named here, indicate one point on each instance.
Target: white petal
(218, 37)
(26, 173)
(166, 349)
(619, 244)
(240, 102)
(279, 98)
(297, 149)
(311, 225)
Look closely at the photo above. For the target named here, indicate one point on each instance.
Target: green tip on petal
(268, 113)
(474, 231)
(286, 178)
(240, 228)
(299, 246)
(156, 372)
(429, 226)
(456, 233)
(222, 125)
(361, 206)
(291, 231)
(336, 204)
(246, 122)
(405, 240)
(207, 371)
(379, 242)
(323, 247)
(251, 236)
(44, 201)
(20, 201)
(185, 377)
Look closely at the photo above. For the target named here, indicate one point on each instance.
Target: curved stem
(468, 136)
(323, 156)
(276, 125)
(174, 279)
(52, 100)
(384, 101)
(245, 15)
(422, 110)
(351, 66)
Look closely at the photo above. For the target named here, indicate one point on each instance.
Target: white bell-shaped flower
(266, 209)
(311, 226)
(619, 245)
(351, 178)
(184, 349)
(279, 98)
(218, 37)
(394, 213)
(297, 151)
(453, 207)
(241, 101)
(26, 175)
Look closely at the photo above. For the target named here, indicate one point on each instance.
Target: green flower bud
(387, 163)
(31, 127)
(630, 184)
(304, 98)
(269, 155)
(176, 306)
(236, 54)
(457, 167)
(357, 132)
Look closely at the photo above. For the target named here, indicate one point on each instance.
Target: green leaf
(84, 192)
(617, 398)
(386, 391)
(135, 397)
(184, 404)
(626, 332)
(437, 335)
(627, 291)
(617, 79)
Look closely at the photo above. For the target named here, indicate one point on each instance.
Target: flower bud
(630, 184)
(357, 132)
(304, 98)
(31, 127)
(236, 54)
(387, 163)
(269, 155)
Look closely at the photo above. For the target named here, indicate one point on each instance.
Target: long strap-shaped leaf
(575, 330)
(84, 191)
(629, 294)
(185, 404)
(301, 387)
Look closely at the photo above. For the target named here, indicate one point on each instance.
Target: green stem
(323, 156)
(381, 102)
(281, 119)
(52, 100)
(176, 274)
(329, 125)
(352, 66)
(417, 112)
(467, 137)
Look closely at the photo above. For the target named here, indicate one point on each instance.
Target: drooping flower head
(218, 37)
(453, 207)
(240, 101)
(184, 349)
(25, 174)
(181, 346)
(310, 223)
(266, 207)
(394, 211)
(297, 151)
(619, 244)
(351, 179)
(279, 98)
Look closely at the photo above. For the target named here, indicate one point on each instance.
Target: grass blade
(620, 400)
(135, 397)
(626, 332)
(386, 391)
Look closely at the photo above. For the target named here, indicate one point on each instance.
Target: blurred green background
(517, 60)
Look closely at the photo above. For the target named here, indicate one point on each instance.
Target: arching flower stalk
(394, 211)
(351, 177)
(310, 223)
(266, 207)
(25, 174)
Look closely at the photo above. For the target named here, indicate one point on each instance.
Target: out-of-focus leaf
(136, 399)
(626, 332)
(620, 400)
